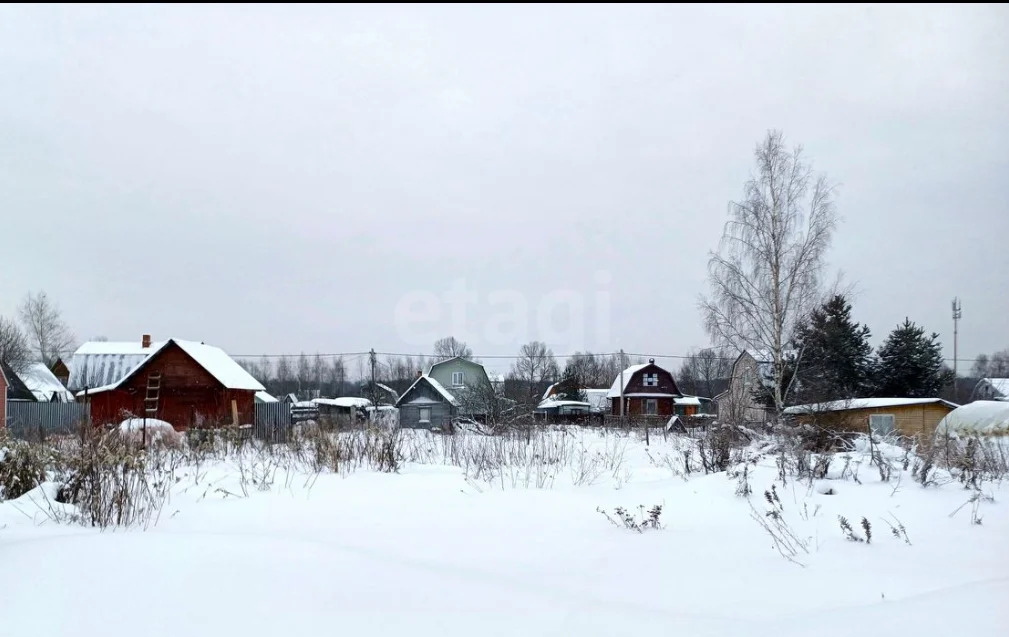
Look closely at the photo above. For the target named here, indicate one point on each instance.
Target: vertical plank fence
(272, 422)
(37, 421)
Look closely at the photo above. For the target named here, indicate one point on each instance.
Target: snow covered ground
(516, 549)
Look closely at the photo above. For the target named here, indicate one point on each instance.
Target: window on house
(457, 378)
(651, 380)
(881, 424)
(425, 415)
(651, 407)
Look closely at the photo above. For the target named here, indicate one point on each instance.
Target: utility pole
(957, 313)
(374, 388)
(621, 363)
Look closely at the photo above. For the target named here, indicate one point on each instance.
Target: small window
(651, 380)
(881, 424)
(651, 407)
(425, 415)
(457, 378)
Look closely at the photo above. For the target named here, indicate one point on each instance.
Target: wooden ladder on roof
(153, 397)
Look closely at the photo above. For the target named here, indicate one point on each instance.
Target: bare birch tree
(766, 275)
(48, 334)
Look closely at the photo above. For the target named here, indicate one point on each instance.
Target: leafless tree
(702, 369)
(994, 366)
(535, 369)
(48, 334)
(14, 347)
(449, 347)
(766, 275)
(589, 370)
(337, 376)
(284, 372)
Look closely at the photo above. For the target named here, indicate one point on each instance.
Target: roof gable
(435, 386)
(16, 389)
(630, 375)
(116, 362)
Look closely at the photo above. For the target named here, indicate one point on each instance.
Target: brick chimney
(145, 341)
(419, 373)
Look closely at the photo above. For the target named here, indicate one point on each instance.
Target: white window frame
(651, 380)
(461, 376)
(651, 406)
(880, 430)
(420, 415)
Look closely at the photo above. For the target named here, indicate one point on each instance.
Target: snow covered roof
(1001, 385)
(987, 417)
(44, 384)
(597, 397)
(107, 364)
(864, 403)
(688, 401)
(550, 404)
(435, 385)
(628, 374)
(347, 402)
(265, 397)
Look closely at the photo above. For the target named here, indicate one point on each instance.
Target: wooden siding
(442, 411)
(189, 395)
(3, 400)
(636, 406)
(909, 420)
(441, 416)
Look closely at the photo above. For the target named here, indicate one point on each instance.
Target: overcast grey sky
(278, 179)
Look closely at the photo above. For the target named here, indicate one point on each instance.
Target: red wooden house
(184, 383)
(648, 390)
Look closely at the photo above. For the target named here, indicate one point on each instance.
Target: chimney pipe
(145, 342)
(419, 373)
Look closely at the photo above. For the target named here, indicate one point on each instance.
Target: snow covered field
(478, 535)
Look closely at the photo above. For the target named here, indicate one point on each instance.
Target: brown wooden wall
(189, 395)
(636, 406)
(909, 420)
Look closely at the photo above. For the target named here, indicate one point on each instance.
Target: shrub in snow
(112, 483)
(22, 466)
(640, 523)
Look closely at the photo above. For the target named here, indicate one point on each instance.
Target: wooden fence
(272, 422)
(36, 421)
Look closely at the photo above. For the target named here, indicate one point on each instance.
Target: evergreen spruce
(836, 361)
(910, 364)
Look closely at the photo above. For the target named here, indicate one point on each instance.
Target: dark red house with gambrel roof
(649, 390)
(184, 383)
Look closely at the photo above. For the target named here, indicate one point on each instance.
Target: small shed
(182, 382)
(882, 416)
(61, 371)
(427, 405)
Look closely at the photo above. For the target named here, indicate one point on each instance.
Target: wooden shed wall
(189, 395)
(909, 420)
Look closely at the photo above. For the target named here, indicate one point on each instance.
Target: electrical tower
(957, 313)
